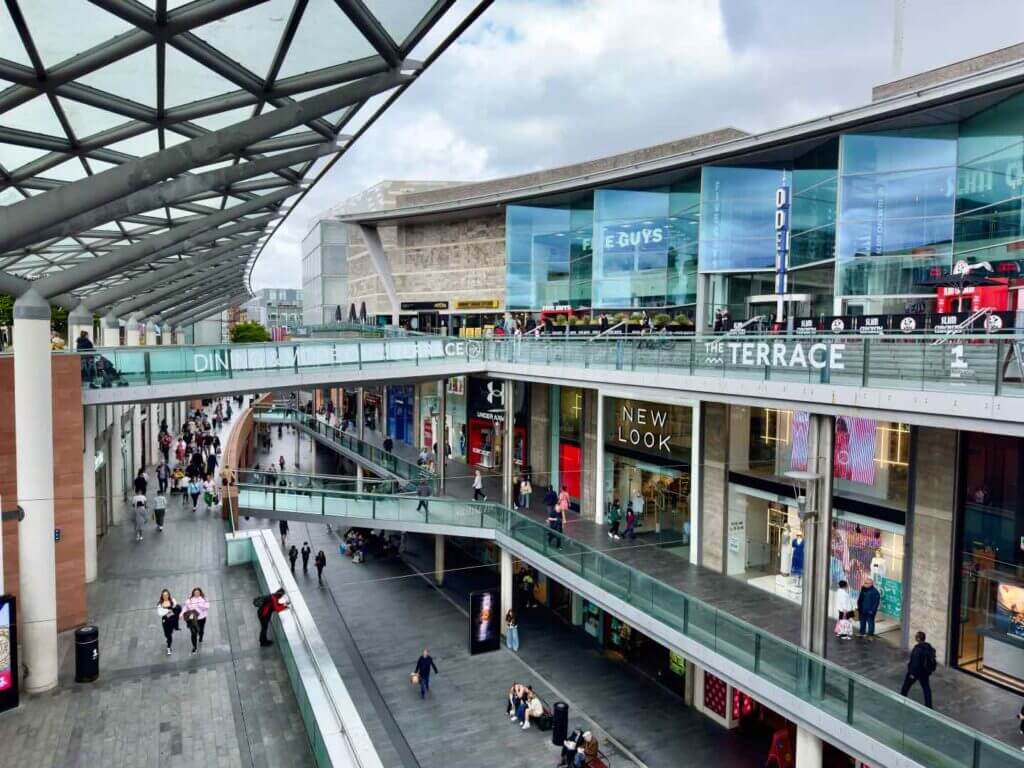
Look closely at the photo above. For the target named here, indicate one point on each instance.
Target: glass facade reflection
(548, 253)
(738, 226)
(990, 173)
(645, 251)
(896, 209)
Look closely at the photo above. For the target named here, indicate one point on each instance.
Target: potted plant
(661, 319)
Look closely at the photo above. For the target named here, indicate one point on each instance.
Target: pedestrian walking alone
(140, 482)
(293, 555)
(320, 561)
(163, 475)
(168, 611)
(920, 667)
(478, 486)
(196, 608)
(423, 666)
(159, 510)
(867, 606)
(306, 552)
(268, 606)
(283, 528)
(195, 489)
(423, 491)
(511, 631)
(139, 515)
(525, 489)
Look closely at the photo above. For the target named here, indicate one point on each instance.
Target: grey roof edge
(947, 72)
(513, 189)
(596, 165)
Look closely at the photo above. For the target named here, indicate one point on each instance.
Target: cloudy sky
(540, 83)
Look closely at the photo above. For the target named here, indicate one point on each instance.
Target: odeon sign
(776, 354)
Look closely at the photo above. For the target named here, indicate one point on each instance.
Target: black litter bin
(87, 654)
(560, 723)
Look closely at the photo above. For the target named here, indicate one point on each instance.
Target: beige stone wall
(927, 607)
(448, 261)
(714, 484)
(540, 436)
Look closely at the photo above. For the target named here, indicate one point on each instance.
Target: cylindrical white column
(33, 411)
(439, 558)
(179, 335)
(132, 335)
(808, 749)
(89, 490)
(111, 332)
(359, 478)
(150, 333)
(505, 576)
(79, 319)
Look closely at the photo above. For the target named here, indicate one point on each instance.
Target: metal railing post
(849, 700)
(146, 368)
(757, 654)
(865, 364)
(359, 351)
(997, 383)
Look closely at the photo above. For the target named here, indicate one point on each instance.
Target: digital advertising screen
(484, 622)
(8, 653)
(1010, 610)
(854, 455)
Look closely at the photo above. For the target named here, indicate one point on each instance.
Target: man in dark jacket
(423, 666)
(306, 551)
(423, 491)
(920, 667)
(867, 606)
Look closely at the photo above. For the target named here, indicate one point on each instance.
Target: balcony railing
(920, 734)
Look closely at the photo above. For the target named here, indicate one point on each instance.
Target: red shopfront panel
(570, 468)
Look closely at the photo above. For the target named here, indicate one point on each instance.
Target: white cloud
(540, 83)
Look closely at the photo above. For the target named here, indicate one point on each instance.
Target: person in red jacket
(274, 603)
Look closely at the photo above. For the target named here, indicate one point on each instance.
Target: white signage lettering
(653, 436)
(776, 354)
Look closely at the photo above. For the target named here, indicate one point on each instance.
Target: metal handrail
(606, 331)
(744, 325)
(961, 327)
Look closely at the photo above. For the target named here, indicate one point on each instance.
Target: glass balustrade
(901, 724)
(985, 365)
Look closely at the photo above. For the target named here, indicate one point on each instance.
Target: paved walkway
(229, 705)
(960, 696)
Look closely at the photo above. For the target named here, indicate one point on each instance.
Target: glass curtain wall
(896, 210)
(989, 183)
(645, 252)
(548, 254)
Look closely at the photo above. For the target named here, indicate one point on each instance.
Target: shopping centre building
(862, 221)
(789, 360)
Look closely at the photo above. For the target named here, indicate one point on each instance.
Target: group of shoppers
(193, 612)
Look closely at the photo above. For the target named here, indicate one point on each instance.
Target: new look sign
(776, 354)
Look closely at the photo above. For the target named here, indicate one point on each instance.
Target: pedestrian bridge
(857, 714)
(961, 382)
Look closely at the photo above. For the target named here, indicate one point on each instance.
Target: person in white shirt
(478, 487)
(159, 509)
(845, 606)
(139, 514)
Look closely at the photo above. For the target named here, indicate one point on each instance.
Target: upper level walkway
(742, 634)
(967, 382)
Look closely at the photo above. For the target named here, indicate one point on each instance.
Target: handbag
(414, 678)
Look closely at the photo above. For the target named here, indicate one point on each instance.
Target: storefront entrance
(660, 496)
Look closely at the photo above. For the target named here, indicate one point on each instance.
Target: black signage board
(484, 621)
(423, 306)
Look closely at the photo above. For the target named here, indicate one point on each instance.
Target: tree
(249, 332)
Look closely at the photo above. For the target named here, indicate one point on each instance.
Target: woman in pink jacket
(195, 610)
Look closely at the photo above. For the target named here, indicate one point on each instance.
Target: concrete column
(383, 415)
(312, 456)
(695, 473)
(360, 416)
(816, 529)
(808, 749)
(150, 333)
(442, 453)
(179, 335)
(713, 489)
(111, 332)
(439, 559)
(599, 490)
(132, 335)
(508, 436)
(505, 575)
(554, 432)
(89, 490)
(79, 319)
(116, 471)
(359, 478)
(33, 411)
(590, 449)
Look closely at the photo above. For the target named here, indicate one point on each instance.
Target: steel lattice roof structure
(149, 149)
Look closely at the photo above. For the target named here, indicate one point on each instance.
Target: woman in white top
(845, 606)
(168, 611)
(478, 487)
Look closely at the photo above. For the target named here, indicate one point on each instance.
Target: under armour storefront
(486, 423)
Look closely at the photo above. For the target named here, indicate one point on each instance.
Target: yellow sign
(478, 304)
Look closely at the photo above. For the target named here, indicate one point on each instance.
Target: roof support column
(179, 335)
(111, 331)
(150, 333)
(132, 333)
(33, 411)
(89, 491)
(79, 319)
(380, 262)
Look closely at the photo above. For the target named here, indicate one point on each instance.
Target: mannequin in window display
(786, 552)
(796, 566)
(878, 568)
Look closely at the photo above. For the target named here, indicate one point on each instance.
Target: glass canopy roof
(135, 136)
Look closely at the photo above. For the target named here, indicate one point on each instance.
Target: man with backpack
(266, 606)
(920, 667)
